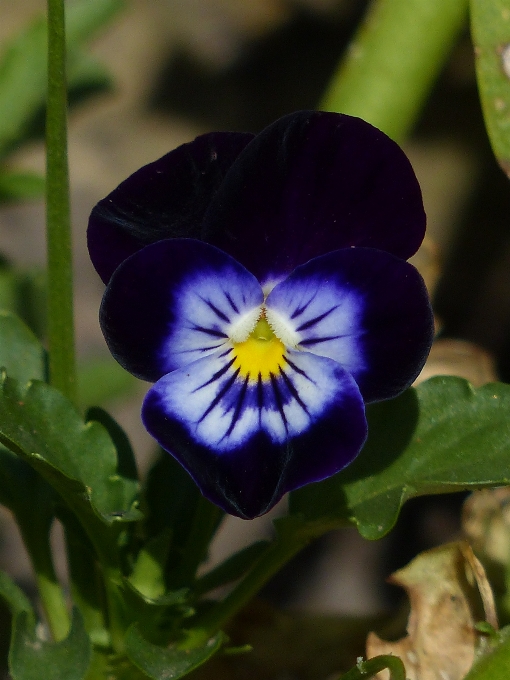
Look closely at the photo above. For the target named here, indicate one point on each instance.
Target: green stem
(54, 605)
(108, 558)
(393, 62)
(369, 668)
(50, 590)
(277, 554)
(117, 620)
(58, 223)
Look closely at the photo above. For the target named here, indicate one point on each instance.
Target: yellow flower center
(260, 354)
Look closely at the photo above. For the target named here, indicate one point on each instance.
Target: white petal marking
(207, 305)
(223, 411)
(325, 318)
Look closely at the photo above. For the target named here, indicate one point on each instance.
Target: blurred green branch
(394, 60)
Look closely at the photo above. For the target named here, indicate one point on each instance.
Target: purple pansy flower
(261, 282)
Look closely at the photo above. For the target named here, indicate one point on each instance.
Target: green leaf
(157, 617)
(170, 500)
(21, 353)
(28, 497)
(171, 497)
(490, 27)
(126, 461)
(15, 598)
(232, 568)
(495, 664)
(19, 186)
(77, 459)
(441, 437)
(31, 658)
(23, 68)
(168, 663)
(148, 575)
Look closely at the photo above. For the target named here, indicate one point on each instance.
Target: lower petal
(247, 441)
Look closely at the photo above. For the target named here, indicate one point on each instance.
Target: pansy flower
(261, 282)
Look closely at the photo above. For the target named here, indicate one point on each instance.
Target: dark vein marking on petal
(210, 331)
(232, 303)
(226, 387)
(260, 396)
(200, 349)
(239, 407)
(217, 375)
(297, 369)
(297, 312)
(316, 341)
(221, 315)
(317, 319)
(207, 349)
(278, 399)
(292, 389)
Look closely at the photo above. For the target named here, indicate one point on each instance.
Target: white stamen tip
(240, 330)
(282, 328)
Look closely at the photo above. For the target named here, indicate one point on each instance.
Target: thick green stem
(277, 554)
(50, 591)
(54, 605)
(60, 284)
(369, 668)
(393, 62)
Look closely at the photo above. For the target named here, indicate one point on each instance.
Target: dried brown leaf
(449, 593)
(486, 523)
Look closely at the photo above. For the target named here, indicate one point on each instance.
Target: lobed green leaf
(21, 353)
(441, 437)
(168, 663)
(31, 657)
(78, 459)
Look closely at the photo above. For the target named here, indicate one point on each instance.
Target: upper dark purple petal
(313, 182)
(165, 199)
(173, 302)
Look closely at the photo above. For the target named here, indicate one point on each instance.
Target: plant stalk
(275, 557)
(58, 222)
(393, 61)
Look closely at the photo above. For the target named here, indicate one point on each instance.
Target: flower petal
(247, 442)
(165, 199)
(364, 308)
(314, 182)
(173, 302)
